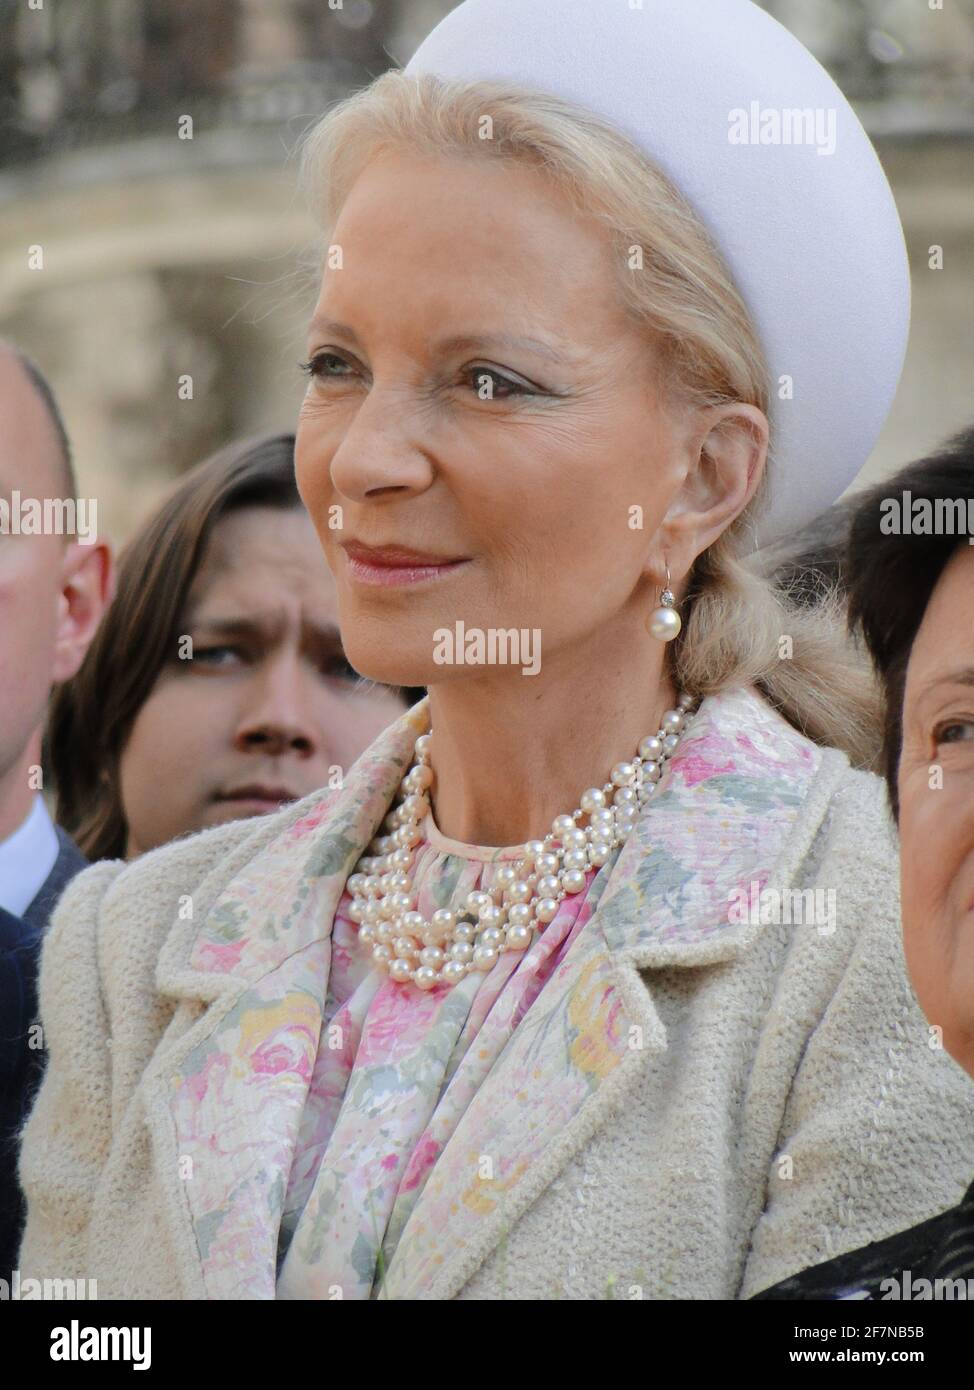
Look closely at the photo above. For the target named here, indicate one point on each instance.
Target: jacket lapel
(227, 1097)
(225, 1100)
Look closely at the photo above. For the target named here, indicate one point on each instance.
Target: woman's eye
(321, 367)
(954, 731)
(491, 385)
(215, 656)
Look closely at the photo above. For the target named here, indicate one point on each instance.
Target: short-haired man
(53, 589)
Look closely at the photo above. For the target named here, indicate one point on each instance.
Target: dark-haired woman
(217, 687)
(912, 595)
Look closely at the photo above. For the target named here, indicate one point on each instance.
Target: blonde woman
(525, 1008)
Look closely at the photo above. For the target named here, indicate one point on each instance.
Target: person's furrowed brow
(250, 629)
(964, 675)
(320, 638)
(459, 341)
(937, 686)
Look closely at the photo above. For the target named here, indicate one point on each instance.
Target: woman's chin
(389, 669)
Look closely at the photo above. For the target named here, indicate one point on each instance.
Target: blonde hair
(681, 294)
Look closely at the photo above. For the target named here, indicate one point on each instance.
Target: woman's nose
(382, 449)
(278, 714)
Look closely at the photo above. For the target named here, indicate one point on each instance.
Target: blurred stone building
(132, 258)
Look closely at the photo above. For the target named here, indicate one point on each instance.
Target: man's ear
(729, 450)
(87, 588)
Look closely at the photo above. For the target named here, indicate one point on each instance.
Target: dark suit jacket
(21, 1066)
(920, 1263)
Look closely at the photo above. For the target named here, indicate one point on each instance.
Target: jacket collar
(721, 826)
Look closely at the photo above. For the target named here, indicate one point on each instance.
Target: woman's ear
(728, 451)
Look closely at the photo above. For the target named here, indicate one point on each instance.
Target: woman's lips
(257, 798)
(393, 566)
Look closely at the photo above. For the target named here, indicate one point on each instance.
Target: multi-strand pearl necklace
(523, 895)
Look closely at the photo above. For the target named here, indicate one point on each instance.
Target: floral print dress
(395, 1070)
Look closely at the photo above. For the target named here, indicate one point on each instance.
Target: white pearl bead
(443, 922)
(573, 880)
(625, 796)
(381, 954)
(665, 624)
(652, 771)
(461, 950)
(574, 839)
(355, 912)
(431, 955)
(532, 849)
(454, 971)
(518, 892)
(476, 900)
(491, 936)
(561, 823)
(401, 970)
(413, 923)
(426, 977)
(547, 885)
(545, 909)
(518, 937)
(404, 946)
(464, 931)
(484, 957)
(575, 859)
(546, 863)
(622, 774)
(506, 875)
(592, 799)
(491, 916)
(670, 743)
(423, 746)
(599, 852)
(672, 721)
(518, 915)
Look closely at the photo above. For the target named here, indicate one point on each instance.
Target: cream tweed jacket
(704, 1099)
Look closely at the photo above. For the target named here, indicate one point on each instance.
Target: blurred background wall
(163, 257)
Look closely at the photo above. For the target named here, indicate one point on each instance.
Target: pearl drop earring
(664, 621)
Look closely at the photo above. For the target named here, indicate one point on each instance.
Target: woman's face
(266, 709)
(936, 789)
(479, 395)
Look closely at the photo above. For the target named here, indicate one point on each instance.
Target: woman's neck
(510, 752)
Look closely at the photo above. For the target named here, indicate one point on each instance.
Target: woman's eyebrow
(265, 626)
(229, 625)
(964, 675)
(463, 341)
(459, 341)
